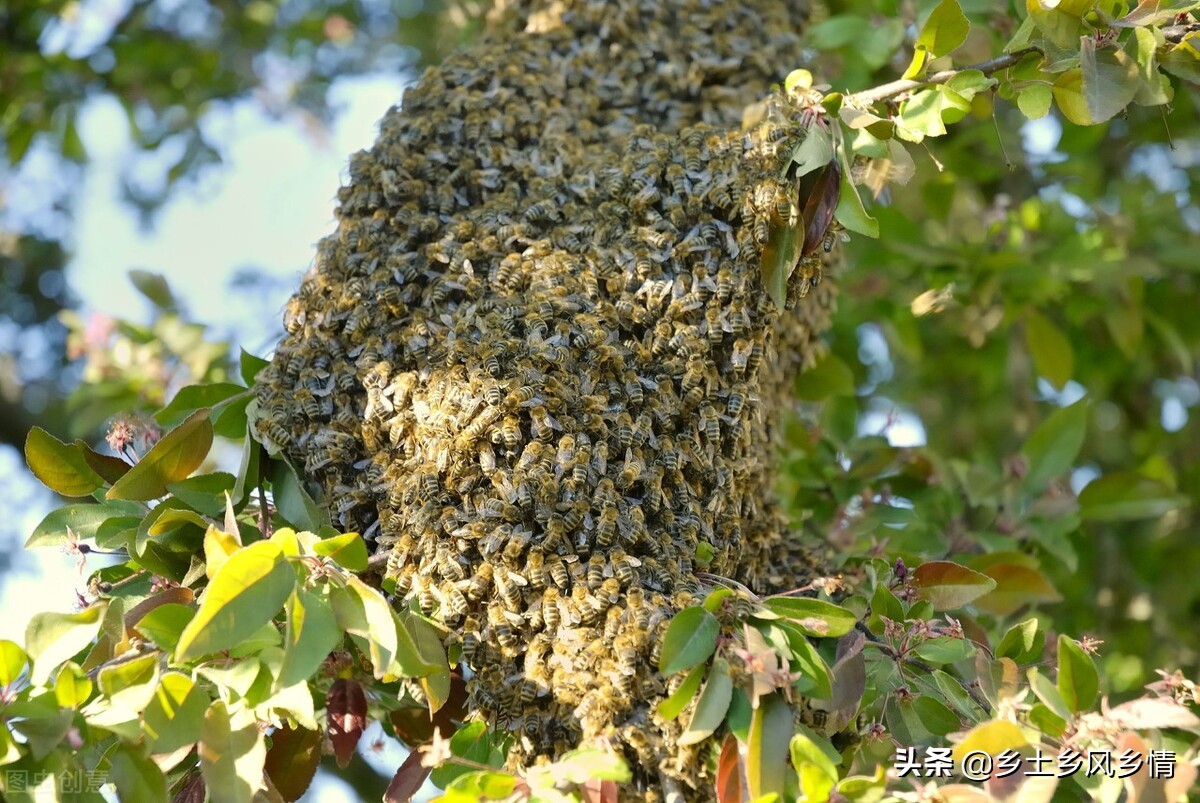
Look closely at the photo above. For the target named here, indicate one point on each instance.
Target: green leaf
(154, 287)
(813, 616)
(1034, 100)
(471, 742)
(293, 502)
(712, 705)
(164, 625)
(363, 612)
(816, 679)
(945, 650)
(1109, 80)
(1048, 693)
(850, 210)
(1060, 21)
(921, 116)
(180, 452)
(249, 366)
(944, 31)
(937, 718)
(767, 747)
(204, 492)
(44, 734)
(690, 639)
(174, 717)
(829, 377)
(816, 768)
(1054, 446)
(246, 593)
(12, 661)
(52, 638)
(59, 466)
(196, 397)
(137, 778)
(949, 585)
(231, 756)
(1022, 642)
(1078, 682)
(312, 633)
(1154, 88)
(1183, 60)
(673, 706)
(348, 550)
(1126, 496)
(1051, 351)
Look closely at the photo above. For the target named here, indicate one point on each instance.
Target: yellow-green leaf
(59, 466)
(175, 714)
(312, 632)
(180, 452)
(12, 661)
(231, 756)
(52, 638)
(992, 737)
(1068, 94)
(1034, 100)
(945, 30)
(348, 550)
(72, 686)
(246, 593)
(817, 770)
(767, 747)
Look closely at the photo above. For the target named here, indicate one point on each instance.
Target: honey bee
(558, 573)
(551, 614)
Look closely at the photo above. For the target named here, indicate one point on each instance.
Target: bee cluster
(536, 362)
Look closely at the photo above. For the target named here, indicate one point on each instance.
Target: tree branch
(1172, 33)
(894, 88)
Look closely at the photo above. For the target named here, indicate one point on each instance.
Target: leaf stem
(894, 88)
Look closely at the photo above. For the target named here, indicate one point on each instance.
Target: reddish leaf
(292, 761)
(598, 791)
(729, 772)
(191, 789)
(820, 191)
(346, 706)
(407, 781)
(109, 467)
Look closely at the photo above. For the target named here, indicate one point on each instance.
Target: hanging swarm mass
(536, 361)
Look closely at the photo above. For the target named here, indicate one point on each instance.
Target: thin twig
(887, 650)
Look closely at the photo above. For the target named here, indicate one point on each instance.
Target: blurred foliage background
(1025, 267)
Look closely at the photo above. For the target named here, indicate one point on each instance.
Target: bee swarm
(536, 362)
